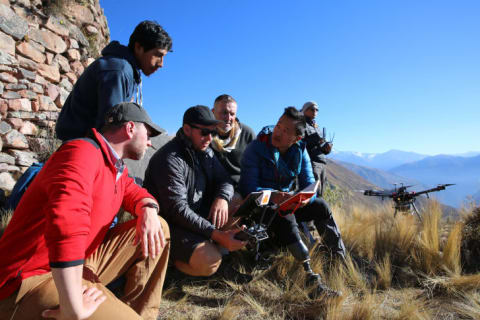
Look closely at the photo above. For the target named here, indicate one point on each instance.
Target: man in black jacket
(317, 146)
(193, 190)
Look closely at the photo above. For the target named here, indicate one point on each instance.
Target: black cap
(130, 111)
(199, 115)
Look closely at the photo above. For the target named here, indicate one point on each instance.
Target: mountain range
(422, 171)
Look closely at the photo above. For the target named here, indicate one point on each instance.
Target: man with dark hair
(317, 146)
(58, 251)
(193, 190)
(113, 78)
(274, 161)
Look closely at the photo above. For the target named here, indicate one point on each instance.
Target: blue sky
(386, 74)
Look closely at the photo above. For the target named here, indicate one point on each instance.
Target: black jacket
(231, 160)
(185, 182)
(315, 142)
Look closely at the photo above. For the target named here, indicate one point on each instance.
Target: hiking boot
(319, 289)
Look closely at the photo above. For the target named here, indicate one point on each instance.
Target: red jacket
(65, 213)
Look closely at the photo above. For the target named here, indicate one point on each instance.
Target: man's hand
(91, 299)
(226, 239)
(219, 212)
(149, 232)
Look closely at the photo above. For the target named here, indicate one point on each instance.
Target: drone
(404, 201)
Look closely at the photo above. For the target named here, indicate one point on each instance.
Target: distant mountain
(464, 172)
(380, 178)
(383, 161)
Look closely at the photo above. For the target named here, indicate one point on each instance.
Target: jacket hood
(118, 50)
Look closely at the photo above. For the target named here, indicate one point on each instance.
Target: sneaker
(319, 289)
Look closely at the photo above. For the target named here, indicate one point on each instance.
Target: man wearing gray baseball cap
(59, 253)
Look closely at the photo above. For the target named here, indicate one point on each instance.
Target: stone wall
(44, 48)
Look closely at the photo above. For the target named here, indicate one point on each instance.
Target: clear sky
(386, 74)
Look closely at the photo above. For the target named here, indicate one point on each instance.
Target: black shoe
(319, 289)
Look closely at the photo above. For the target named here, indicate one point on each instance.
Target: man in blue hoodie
(274, 161)
(113, 78)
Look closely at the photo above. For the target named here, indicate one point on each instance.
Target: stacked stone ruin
(44, 48)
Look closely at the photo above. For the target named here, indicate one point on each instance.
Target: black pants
(320, 174)
(287, 232)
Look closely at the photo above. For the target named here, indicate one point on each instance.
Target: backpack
(22, 185)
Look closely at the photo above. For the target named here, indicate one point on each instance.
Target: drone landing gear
(411, 208)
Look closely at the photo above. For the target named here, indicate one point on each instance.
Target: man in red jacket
(58, 252)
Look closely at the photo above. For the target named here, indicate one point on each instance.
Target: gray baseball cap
(130, 111)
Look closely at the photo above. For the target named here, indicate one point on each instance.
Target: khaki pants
(116, 256)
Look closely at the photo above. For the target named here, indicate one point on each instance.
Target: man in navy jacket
(113, 78)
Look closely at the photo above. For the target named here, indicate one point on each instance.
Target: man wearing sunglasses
(317, 146)
(193, 190)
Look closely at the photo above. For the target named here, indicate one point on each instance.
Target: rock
(11, 23)
(73, 54)
(73, 44)
(62, 97)
(37, 46)
(7, 59)
(91, 30)
(88, 62)
(6, 69)
(35, 106)
(46, 103)
(7, 44)
(53, 91)
(5, 2)
(37, 3)
(49, 72)
(16, 123)
(57, 25)
(11, 95)
(29, 129)
(27, 94)
(49, 58)
(26, 49)
(41, 80)
(25, 74)
(6, 182)
(5, 128)
(66, 84)
(15, 86)
(24, 3)
(71, 76)
(77, 34)
(35, 87)
(24, 115)
(62, 62)
(3, 107)
(81, 13)
(15, 139)
(1, 88)
(23, 158)
(8, 168)
(19, 105)
(48, 39)
(6, 158)
(7, 77)
(27, 63)
(77, 68)
(22, 12)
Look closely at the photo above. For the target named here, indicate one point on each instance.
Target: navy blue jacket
(109, 80)
(263, 167)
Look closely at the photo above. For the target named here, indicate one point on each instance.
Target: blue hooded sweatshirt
(113, 78)
(264, 168)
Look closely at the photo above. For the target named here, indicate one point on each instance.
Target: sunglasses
(205, 131)
(313, 109)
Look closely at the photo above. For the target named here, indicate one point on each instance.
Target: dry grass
(397, 268)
